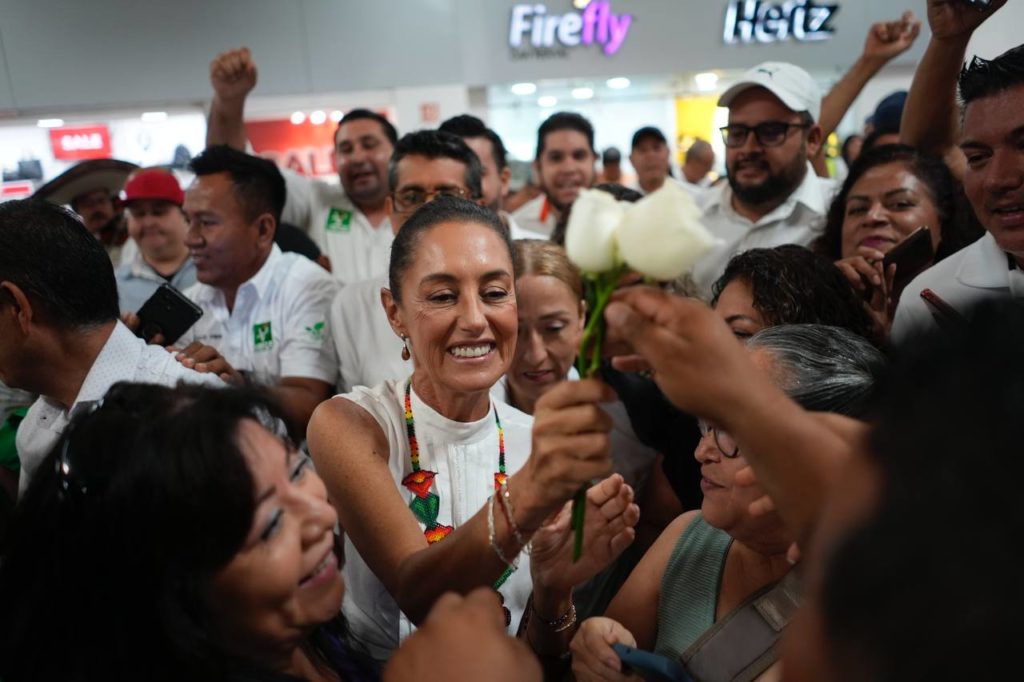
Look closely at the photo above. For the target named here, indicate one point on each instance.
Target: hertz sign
(760, 22)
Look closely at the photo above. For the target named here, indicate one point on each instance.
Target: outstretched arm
(233, 76)
(931, 117)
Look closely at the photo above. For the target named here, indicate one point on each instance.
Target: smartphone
(168, 312)
(650, 666)
(945, 315)
(911, 256)
(980, 4)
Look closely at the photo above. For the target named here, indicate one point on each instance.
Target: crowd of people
(762, 481)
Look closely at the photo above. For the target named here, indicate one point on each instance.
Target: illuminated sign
(755, 21)
(80, 142)
(596, 24)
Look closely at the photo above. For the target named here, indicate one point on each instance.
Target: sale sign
(306, 148)
(76, 143)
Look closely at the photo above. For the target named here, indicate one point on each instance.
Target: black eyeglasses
(408, 200)
(723, 441)
(768, 134)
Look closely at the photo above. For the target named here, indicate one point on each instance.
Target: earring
(406, 354)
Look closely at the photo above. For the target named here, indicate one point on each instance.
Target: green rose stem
(598, 291)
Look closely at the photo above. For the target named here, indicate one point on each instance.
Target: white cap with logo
(791, 84)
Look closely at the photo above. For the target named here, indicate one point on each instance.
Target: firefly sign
(595, 24)
(759, 21)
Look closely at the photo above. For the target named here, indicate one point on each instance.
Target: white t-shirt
(357, 249)
(972, 274)
(537, 216)
(798, 220)
(278, 327)
(369, 352)
(124, 357)
(465, 459)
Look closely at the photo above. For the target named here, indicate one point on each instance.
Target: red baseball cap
(156, 184)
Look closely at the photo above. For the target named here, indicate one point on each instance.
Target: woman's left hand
(608, 530)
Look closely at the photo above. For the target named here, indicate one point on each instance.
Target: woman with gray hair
(707, 563)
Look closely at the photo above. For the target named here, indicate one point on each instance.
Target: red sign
(81, 142)
(20, 189)
(305, 148)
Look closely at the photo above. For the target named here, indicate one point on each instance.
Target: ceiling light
(619, 83)
(318, 117)
(154, 116)
(706, 81)
(298, 118)
(50, 122)
(524, 89)
(336, 115)
(547, 101)
(582, 93)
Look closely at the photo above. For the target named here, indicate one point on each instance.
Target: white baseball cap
(791, 84)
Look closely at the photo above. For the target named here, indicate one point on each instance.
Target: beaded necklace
(426, 504)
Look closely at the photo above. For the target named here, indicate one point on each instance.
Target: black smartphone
(168, 312)
(980, 4)
(650, 666)
(911, 256)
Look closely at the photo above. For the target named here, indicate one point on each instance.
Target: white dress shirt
(357, 249)
(972, 274)
(124, 357)
(537, 216)
(800, 219)
(369, 352)
(278, 327)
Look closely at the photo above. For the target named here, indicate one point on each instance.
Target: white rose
(590, 235)
(661, 235)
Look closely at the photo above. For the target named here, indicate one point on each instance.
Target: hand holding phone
(167, 312)
(910, 256)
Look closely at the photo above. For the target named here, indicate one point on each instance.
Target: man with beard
(565, 165)
(349, 223)
(772, 196)
(90, 188)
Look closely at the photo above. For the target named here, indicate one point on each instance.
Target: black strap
(741, 646)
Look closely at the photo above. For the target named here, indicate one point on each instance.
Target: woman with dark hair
(891, 191)
(171, 535)
(440, 488)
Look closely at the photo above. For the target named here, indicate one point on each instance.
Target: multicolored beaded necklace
(426, 504)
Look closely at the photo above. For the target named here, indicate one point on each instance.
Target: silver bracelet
(563, 622)
(514, 564)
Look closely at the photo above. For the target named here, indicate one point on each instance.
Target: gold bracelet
(514, 564)
(510, 516)
(563, 622)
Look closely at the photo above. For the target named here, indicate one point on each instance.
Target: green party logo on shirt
(316, 332)
(339, 221)
(262, 336)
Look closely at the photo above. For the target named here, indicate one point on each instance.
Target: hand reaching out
(889, 39)
(956, 18)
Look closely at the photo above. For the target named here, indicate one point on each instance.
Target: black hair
(107, 567)
(465, 126)
(845, 149)
(611, 155)
(873, 138)
(792, 285)
(564, 120)
(927, 587)
(957, 226)
(440, 210)
(258, 184)
(63, 269)
(620, 192)
(986, 77)
(434, 144)
(365, 114)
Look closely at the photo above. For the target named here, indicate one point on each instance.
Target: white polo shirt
(278, 327)
(800, 219)
(369, 352)
(537, 216)
(976, 272)
(357, 249)
(124, 357)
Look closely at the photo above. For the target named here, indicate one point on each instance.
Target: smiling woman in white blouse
(439, 488)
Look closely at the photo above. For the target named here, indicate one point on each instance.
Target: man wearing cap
(649, 156)
(348, 222)
(772, 196)
(91, 189)
(153, 200)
